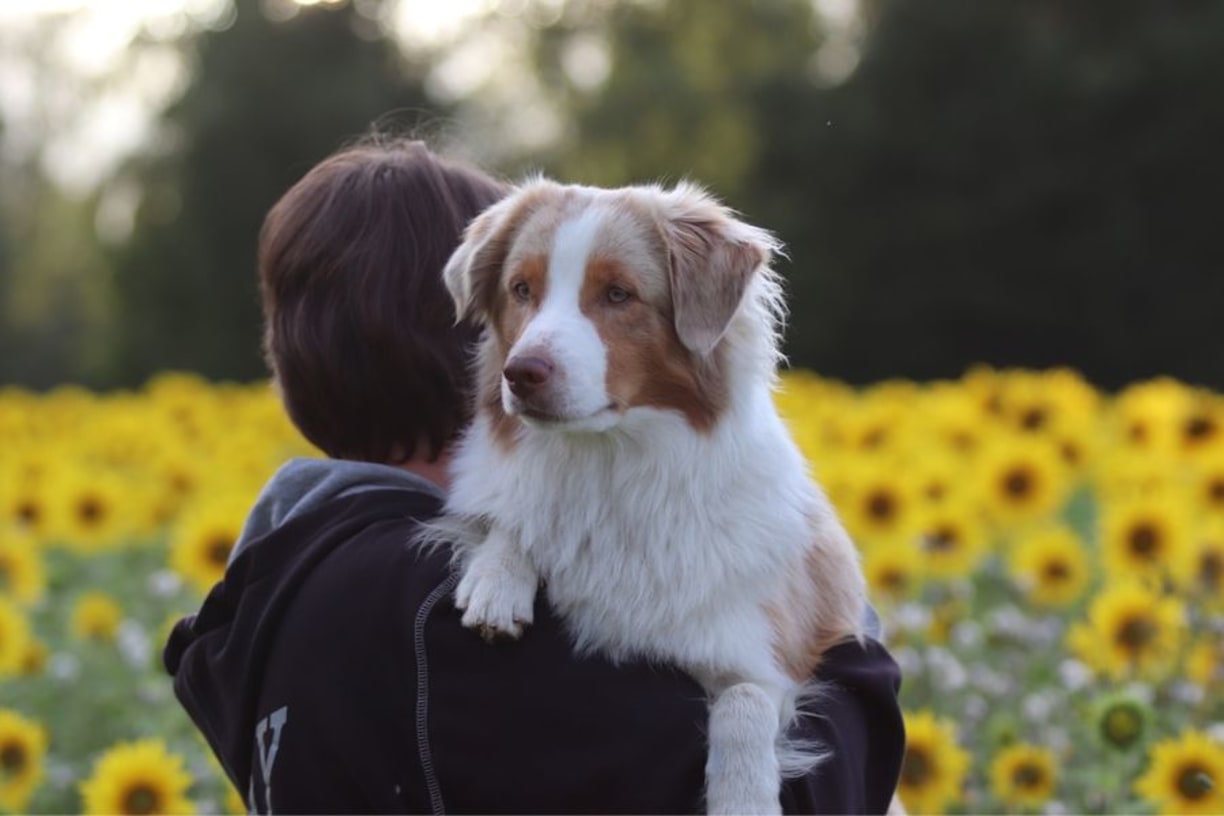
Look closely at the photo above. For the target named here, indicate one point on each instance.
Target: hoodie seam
(424, 749)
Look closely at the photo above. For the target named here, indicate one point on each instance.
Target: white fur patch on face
(561, 334)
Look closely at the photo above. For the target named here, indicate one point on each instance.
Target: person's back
(329, 670)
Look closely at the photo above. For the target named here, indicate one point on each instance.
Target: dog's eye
(618, 294)
(521, 290)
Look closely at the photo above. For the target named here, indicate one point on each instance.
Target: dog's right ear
(474, 269)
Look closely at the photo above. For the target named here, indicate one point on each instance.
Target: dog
(627, 453)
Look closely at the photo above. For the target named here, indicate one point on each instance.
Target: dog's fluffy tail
(798, 755)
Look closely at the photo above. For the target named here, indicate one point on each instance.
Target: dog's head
(602, 301)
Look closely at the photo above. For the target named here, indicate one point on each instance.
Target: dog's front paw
(497, 599)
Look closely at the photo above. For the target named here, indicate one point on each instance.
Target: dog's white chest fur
(653, 540)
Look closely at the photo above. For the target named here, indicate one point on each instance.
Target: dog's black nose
(526, 374)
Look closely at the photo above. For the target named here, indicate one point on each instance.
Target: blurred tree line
(1018, 183)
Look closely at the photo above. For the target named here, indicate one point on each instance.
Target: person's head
(360, 331)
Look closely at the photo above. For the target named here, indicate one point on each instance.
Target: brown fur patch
(488, 241)
(507, 319)
(648, 365)
(822, 607)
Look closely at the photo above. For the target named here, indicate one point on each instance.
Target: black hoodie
(330, 674)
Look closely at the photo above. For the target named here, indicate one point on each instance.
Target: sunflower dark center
(1056, 571)
(1199, 428)
(12, 758)
(1144, 540)
(894, 579)
(1028, 776)
(1138, 432)
(1018, 483)
(1211, 571)
(141, 798)
(90, 510)
(916, 769)
(219, 549)
(28, 512)
(874, 438)
(1070, 451)
(1215, 490)
(1034, 418)
(881, 506)
(942, 539)
(1194, 782)
(1136, 633)
(963, 440)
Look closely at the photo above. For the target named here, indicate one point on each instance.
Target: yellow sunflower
(96, 616)
(1051, 565)
(934, 768)
(939, 479)
(15, 637)
(1132, 631)
(137, 778)
(1058, 404)
(90, 511)
(953, 540)
(179, 476)
(1200, 428)
(1024, 775)
(1185, 775)
(24, 506)
(878, 504)
(953, 420)
(894, 570)
(205, 536)
(1022, 480)
(1146, 416)
(1078, 448)
(21, 569)
(23, 747)
(1147, 538)
(874, 426)
(986, 386)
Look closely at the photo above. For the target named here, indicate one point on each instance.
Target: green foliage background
(1012, 183)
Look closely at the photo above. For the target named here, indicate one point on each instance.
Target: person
(328, 670)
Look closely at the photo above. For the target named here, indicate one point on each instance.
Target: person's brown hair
(360, 331)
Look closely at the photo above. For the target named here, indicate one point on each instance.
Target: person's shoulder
(376, 544)
(355, 565)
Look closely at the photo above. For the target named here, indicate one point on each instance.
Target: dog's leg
(742, 771)
(498, 587)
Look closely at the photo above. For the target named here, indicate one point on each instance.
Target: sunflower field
(1047, 559)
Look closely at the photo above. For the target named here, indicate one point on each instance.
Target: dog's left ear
(712, 258)
(472, 273)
